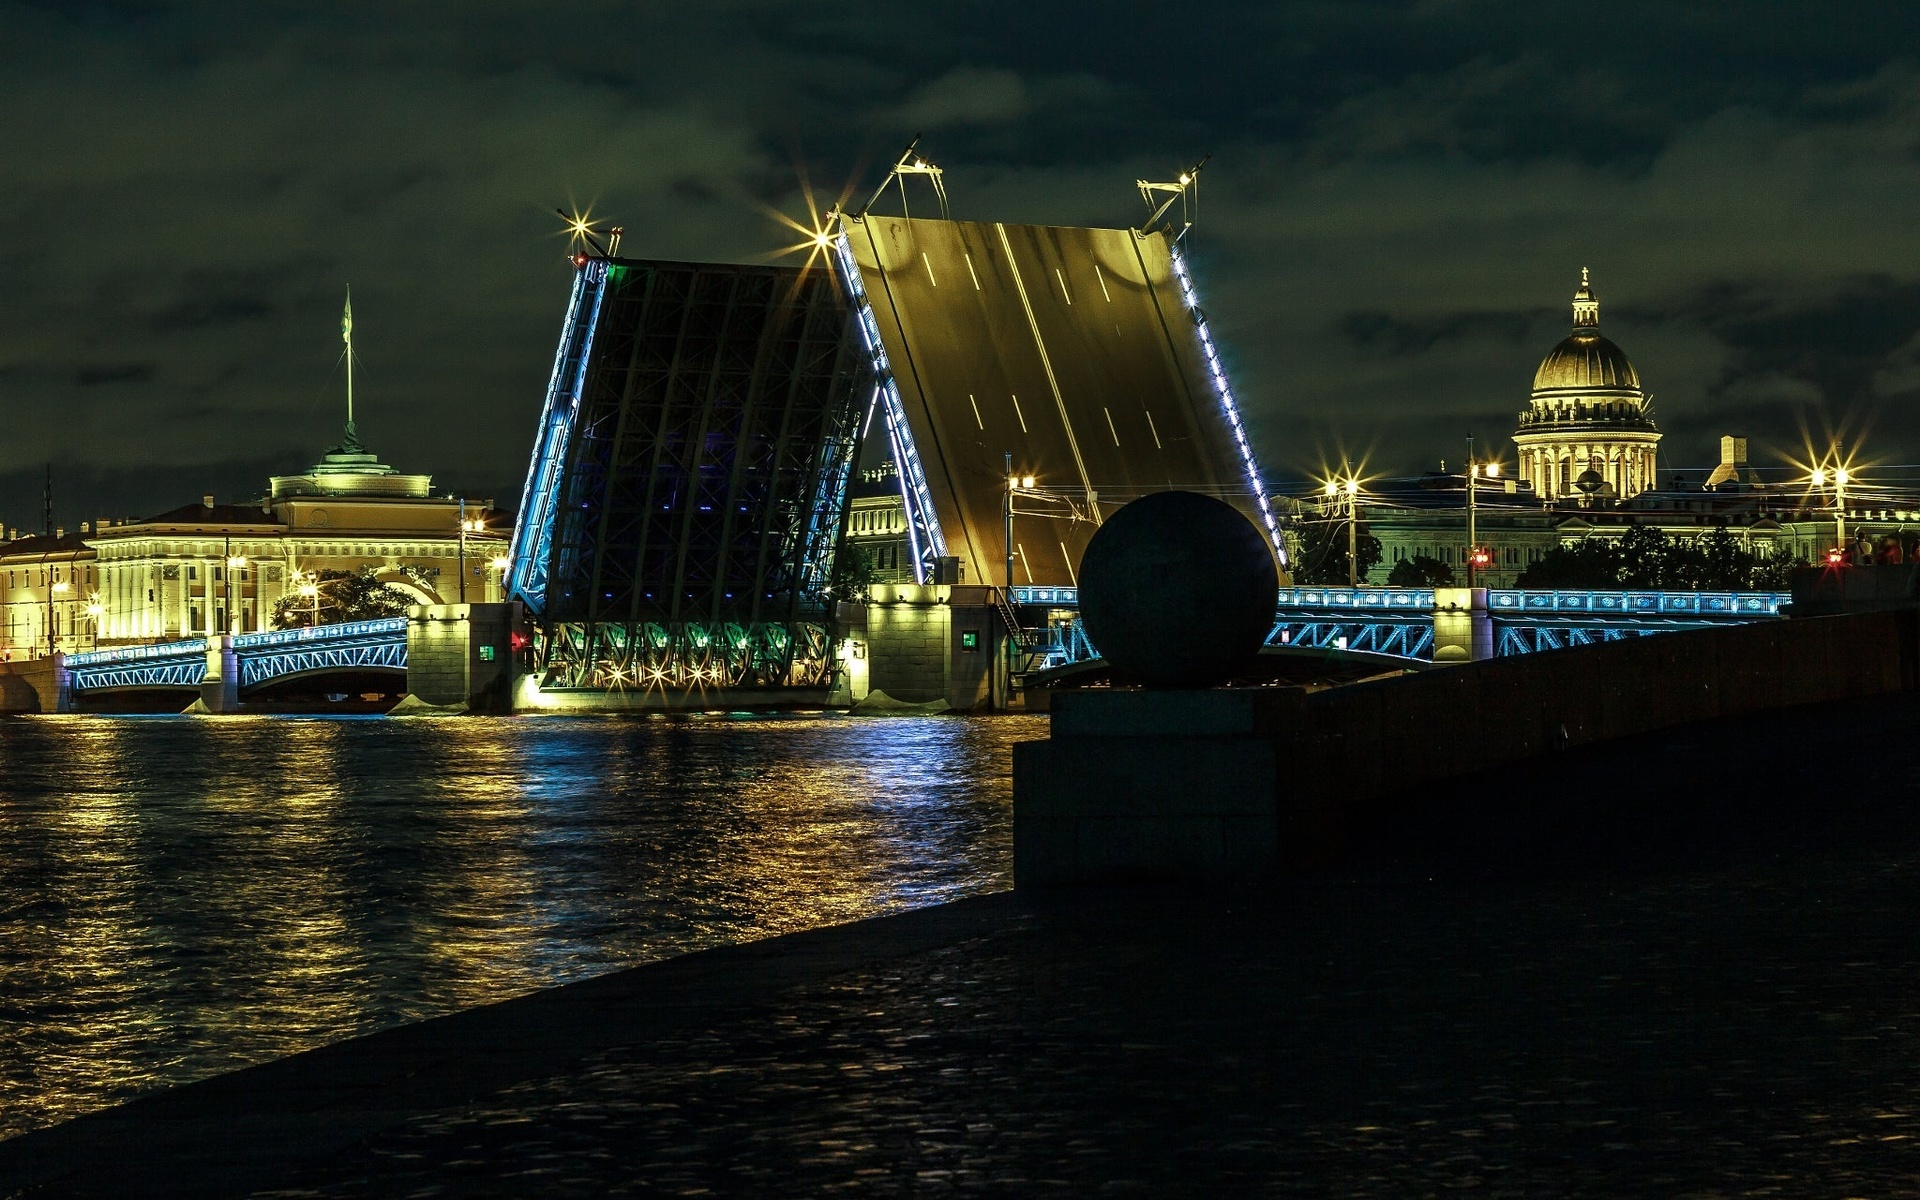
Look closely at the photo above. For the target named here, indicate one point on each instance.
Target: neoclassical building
(207, 568)
(1589, 431)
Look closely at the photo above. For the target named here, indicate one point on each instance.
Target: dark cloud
(94, 376)
(1376, 332)
(1400, 199)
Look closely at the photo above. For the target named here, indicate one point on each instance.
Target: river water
(181, 896)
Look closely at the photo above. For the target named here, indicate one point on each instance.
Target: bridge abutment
(462, 654)
(38, 685)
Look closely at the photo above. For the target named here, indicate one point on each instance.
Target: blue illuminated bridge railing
(261, 657)
(1398, 622)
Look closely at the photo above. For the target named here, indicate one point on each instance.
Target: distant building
(877, 523)
(1589, 429)
(168, 576)
(1426, 517)
(46, 584)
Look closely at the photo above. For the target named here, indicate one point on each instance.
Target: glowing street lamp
(467, 525)
(1475, 473)
(1839, 477)
(1350, 489)
(96, 610)
(235, 564)
(310, 592)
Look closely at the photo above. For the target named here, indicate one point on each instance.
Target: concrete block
(1131, 712)
(1143, 808)
(1146, 849)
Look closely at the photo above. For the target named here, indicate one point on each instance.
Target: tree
(851, 574)
(1588, 563)
(344, 596)
(1774, 574)
(1644, 554)
(1420, 571)
(1725, 565)
(1323, 552)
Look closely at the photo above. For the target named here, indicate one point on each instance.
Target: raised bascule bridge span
(689, 481)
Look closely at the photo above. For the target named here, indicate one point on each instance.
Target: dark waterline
(183, 897)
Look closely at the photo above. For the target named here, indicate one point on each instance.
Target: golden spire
(1586, 306)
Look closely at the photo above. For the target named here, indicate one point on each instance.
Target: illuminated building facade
(1589, 431)
(206, 569)
(46, 583)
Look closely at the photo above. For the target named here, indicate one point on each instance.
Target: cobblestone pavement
(1742, 1033)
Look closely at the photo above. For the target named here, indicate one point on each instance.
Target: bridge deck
(1072, 348)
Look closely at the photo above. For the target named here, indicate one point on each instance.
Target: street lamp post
(1351, 490)
(1015, 485)
(467, 526)
(500, 564)
(235, 564)
(463, 550)
(1006, 507)
(1475, 471)
(310, 591)
(55, 586)
(96, 610)
(1840, 478)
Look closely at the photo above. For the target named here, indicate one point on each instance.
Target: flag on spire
(346, 318)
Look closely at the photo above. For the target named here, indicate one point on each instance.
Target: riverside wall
(1328, 759)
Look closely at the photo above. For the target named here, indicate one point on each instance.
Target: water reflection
(181, 897)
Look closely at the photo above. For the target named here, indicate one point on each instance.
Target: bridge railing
(1062, 597)
(125, 654)
(1637, 604)
(321, 633)
(1368, 599)
(1532, 602)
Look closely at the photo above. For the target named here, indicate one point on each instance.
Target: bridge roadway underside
(1070, 347)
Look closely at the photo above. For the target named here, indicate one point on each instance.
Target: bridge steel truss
(685, 513)
(266, 658)
(262, 658)
(168, 665)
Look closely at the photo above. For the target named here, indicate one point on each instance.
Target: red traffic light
(1836, 557)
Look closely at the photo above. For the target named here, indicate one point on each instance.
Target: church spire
(1586, 306)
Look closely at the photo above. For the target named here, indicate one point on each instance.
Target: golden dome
(1586, 360)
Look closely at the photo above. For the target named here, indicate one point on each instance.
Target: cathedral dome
(1586, 360)
(1588, 434)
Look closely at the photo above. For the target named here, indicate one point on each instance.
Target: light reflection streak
(179, 898)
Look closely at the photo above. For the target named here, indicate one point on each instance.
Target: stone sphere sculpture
(1177, 590)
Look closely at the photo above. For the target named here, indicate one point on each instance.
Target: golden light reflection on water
(181, 897)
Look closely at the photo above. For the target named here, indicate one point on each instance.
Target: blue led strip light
(1226, 400)
(924, 538)
(533, 532)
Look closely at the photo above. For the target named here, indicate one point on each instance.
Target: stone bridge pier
(462, 654)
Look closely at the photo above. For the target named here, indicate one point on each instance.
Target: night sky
(1400, 199)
